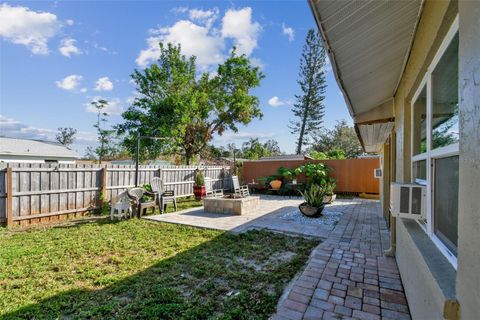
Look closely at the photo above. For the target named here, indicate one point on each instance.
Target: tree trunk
(302, 131)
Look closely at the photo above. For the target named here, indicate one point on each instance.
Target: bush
(199, 178)
(314, 196)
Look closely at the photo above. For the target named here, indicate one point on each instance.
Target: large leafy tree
(337, 143)
(309, 106)
(187, 108)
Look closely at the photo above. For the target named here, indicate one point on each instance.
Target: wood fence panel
(352, 175)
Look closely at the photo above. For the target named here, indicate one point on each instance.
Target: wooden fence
(32, 193)
(352, 175)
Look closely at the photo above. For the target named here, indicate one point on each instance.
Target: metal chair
(136, 194)
(164, 197)
(240, 191)
(210, 192)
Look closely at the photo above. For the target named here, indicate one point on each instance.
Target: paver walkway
(347, 275)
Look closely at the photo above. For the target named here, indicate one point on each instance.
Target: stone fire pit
(228, 204)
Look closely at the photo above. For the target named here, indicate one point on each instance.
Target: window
(435, 135)
(420, 123)
(445, 98)
(445, 201)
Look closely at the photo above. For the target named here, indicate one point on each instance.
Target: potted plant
(329, 188)
(313, 205)
(199, 185)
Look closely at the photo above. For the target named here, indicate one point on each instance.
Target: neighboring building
(35, 151)
(287, 157)
(410, 75)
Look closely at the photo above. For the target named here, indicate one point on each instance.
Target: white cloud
(289, 32)
(238, 24)
(69, 82)
(103, 84)
(276, 102)
(15, 129)
(206, 17)
(20, 25)
(194, 40)
(83, 90)
(69, 22)
(197, 36)
(67, 47)
(113, 108)
(327, 67)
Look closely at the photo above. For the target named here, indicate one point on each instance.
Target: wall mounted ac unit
(408, 201)
(378, 173)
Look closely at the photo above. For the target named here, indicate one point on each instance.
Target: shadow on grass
(229, 277)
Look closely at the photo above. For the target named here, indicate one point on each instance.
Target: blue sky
(56, 57)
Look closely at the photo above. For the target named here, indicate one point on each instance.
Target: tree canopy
(338, 143)
(187, 108)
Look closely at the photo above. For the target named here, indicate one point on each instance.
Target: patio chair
(164, 197)
(240, 191)
(210, 192)
(136, 194)
(121, 203)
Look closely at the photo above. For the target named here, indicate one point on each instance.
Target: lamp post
(137, 153)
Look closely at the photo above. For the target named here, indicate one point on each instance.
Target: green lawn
(140, 269)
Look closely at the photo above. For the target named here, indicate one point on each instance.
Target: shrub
(314, 196)
(199, 178)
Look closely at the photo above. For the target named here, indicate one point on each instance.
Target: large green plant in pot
(313, 205)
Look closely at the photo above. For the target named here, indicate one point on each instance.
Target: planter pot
(199, 192)
(275, 184)
(309, 211)
(329, 199)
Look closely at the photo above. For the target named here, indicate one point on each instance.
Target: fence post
(103, 198)
(9, 189)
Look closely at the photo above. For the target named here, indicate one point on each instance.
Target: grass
(141, 269)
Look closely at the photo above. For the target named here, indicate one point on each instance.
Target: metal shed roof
(37, 148)
(368, 43)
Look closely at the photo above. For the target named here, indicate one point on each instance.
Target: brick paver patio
(347, 276)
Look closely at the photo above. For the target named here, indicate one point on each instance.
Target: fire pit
(231, 205)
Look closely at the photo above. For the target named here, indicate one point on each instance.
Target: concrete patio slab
(273, 213)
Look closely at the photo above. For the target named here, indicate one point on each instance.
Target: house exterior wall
(468, 280)
(427, 288)
(35, 159)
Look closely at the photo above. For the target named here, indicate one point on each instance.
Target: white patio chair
(210, 192)
(240, 191)
(121, 203)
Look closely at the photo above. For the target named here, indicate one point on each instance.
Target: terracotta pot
(329, 199)
(275, 184)
(309, 211)
(199, 192)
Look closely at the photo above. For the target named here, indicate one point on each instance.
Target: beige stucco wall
(468, 278)
(425, 299)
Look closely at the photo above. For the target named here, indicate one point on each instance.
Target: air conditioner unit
(378, 173)
(408, 201)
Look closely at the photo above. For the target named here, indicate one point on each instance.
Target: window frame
(432, 154)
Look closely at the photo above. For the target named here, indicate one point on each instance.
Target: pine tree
(309, 106)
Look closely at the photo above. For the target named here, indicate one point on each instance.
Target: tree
(338, 143)
(189, 109)
(253, 149)
(104, 136)
(309, 106)
(66, 136)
